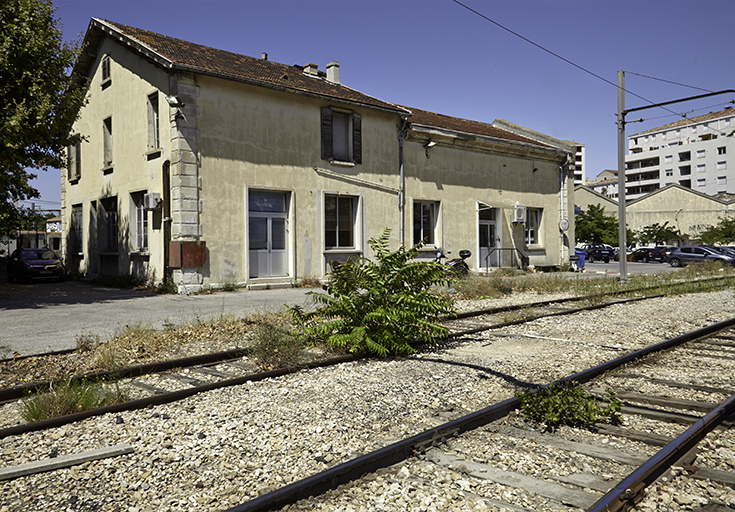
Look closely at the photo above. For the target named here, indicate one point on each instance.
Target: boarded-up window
(107, 142)
(153, 122)
(73, 162)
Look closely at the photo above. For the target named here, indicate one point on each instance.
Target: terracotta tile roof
(197, 58)
(425, 118)
(694, 120)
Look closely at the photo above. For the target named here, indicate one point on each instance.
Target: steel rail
(401, 450)
(17, 392)
(629, 492)
(558, 313)
(166, 397)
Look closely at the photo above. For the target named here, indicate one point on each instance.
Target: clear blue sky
(439, 56)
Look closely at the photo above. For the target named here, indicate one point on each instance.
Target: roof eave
(487, 139)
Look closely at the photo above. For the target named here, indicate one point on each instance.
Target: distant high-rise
(697, 153)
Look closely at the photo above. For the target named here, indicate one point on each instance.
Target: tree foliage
(657, 234)
(594, 226)
(380, 306)
(37, 101)
(722, 233)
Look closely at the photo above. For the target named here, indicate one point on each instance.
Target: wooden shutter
(356, 138)
(327, 147)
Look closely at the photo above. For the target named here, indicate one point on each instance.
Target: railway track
(168, 381)
(606, 469)
(435, 386)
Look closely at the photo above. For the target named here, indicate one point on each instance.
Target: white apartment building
(696, 153)
(579, 164)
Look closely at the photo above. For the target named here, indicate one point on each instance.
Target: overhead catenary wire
(559, 56)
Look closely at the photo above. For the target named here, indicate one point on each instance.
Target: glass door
(268, 234)
(487, 237)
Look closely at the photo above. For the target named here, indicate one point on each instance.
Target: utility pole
(621, 159)
(622, 242)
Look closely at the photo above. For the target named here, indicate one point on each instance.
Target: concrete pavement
(45, 316)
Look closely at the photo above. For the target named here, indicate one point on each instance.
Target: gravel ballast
(225, 447)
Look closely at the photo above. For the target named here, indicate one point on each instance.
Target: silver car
(684, 255)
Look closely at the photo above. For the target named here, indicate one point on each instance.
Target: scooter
(456, 266)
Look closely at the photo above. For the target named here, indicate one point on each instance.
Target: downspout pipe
(402, 180)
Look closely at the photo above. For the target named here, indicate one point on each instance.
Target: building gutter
(471, 137)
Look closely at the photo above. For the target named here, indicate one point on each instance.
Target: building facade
(696, 153)
(212, 167)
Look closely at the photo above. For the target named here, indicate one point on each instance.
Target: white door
(268, 234)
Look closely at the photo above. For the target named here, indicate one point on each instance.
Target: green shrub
(566, 403)
(379, 306)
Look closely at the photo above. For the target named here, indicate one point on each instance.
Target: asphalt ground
(42, 317)
(47, 316)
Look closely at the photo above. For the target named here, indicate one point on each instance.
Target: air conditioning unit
(151, 201)
(519, 213)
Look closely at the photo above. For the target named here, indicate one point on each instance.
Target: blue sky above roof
(438, 56)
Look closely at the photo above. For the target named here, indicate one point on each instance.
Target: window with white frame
(140, 234)
(154, 141)
(701, 182)
(669, 172)
(668, 159)
(340, 214)
(107, 142)
(701, 153)
(722, 180)
(341, 136)
(694, 129)
(722, 150)
(424, 221)
(727, 122)
(701, 168)
(533, 224)
(721, 166)
(74, 161)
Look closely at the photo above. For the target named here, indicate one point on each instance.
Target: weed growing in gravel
(483, 287)
(566, 403)
(274, 344)
(86, 342)
(67, 397)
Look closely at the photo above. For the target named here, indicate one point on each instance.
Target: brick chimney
(333, 72)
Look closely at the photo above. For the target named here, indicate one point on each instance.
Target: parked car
(27, 264)
(598, 252)
(646, 254)
(685, 255)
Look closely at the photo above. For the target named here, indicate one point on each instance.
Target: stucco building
(681, 208)
(214, 167)
(696, 153)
